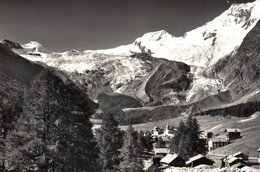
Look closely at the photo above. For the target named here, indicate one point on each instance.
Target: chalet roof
(199, 156)
(239, 153)
(169, 158)
(147, 165)
(231, 159)
(233, 130)
(161, 150)
(219, 139)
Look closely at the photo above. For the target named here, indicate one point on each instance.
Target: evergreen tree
(25, 144)
(147, 141)
(10, 110)
(54, 131)
(183, 147)
(130, 152)
(181, 131)
(193, 132)
(110, 139)
(186, 141)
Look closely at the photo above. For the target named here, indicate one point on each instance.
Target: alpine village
(160, 104)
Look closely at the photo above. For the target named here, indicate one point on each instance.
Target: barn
(199, 160)
(173, 160)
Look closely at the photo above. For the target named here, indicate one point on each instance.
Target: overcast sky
(97, 24)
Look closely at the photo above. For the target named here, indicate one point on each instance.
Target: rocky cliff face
(241, 72)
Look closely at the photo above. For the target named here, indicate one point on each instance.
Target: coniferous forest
(48, 129)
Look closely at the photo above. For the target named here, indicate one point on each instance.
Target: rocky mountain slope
(241, 72)
(16, 74)
(213, 66)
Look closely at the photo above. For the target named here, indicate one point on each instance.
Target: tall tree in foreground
(11, 92)
(174, 145)
(54, 132)
(186, 141)
(110, 139)
(131, 152)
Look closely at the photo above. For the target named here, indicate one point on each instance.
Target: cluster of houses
(167, 160)
(237, 160)
(231, 134)
(164, 159)
(211, 142)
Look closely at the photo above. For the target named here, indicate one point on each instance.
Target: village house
(215, 143)
(199, 160)
(161, 151)
(232, 162)
(233, 133)
(156, 133)
(237, 160)
(172, 160)
(241, 155)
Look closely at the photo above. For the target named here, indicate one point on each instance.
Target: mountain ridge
(146, 70)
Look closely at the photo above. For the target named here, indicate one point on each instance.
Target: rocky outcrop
(241, 72)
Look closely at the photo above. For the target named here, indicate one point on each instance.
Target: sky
(100, 24)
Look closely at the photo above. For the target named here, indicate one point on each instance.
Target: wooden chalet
(241, 155)
(232, 162)
(172, 160)
(199, 160)
(233, 133)
(215, 143)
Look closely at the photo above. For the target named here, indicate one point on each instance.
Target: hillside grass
(248, 143)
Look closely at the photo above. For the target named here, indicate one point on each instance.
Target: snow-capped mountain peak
(207, 44)
(35, 47)
(200, 48)
(203, 46)
(155, 36)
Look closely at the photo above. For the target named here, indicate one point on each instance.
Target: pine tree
(140, 144)
(110, 139)
(186, 141)
(183, 147)
(181, 130)
(193, 132)
(147, 141)
(25, 143)
(130, 152)
(10, 110)
(54, 131)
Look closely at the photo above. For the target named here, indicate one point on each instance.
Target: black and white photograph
(129, 86)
